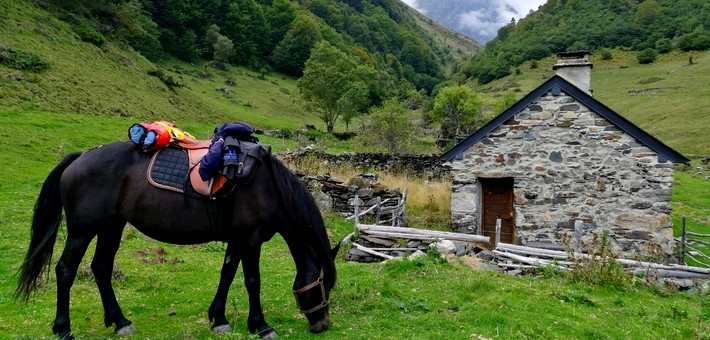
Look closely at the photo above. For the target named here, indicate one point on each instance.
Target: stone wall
(422, 165)
(333, 194)
(569, 164)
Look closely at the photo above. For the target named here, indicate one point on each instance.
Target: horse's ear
(334, 251)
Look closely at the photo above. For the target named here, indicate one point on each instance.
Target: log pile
(515, 256)
(376, 243)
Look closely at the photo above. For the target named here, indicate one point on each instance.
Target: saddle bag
(149, 137)
(241, 158)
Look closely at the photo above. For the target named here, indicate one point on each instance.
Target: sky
(484, 22)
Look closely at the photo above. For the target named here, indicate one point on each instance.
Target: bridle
(317, 282)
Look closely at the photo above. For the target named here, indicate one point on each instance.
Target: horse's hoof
(222, 329)
(126, 330)
(268, 334)
(67, 336)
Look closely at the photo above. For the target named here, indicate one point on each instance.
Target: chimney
(575, 68)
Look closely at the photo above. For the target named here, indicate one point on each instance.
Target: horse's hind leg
(66, 268)
(107, 245)
(216, 311)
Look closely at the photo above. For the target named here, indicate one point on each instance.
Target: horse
(104, 188)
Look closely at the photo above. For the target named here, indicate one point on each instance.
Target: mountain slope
(116, 81)
(458, 43)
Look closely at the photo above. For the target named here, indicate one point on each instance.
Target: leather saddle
(176, 167)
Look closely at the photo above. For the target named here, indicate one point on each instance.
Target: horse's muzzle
(321, 325)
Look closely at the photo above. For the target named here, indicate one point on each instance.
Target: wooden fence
(689, 243)
(392, 208)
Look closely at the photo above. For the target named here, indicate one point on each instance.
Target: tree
(136, 27)
(649, 12)
(456, 108)
(391, 127)
(334, 84)
(279, 15)
(246, 25)
(211, 36)
(292, 52)
(223, 49)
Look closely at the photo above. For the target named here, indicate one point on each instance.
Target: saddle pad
(168, 169)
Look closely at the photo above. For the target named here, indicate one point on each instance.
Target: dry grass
(428, 201)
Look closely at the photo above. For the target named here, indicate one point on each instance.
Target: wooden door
(497, 202)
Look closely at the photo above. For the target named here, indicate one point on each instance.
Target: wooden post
(393, 216)
(498, 228)
(682, 241)
(356, 203)
(577, 236)
(378, 210)
(403, 220)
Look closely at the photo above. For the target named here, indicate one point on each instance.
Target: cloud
(485, 21)
(413, 4)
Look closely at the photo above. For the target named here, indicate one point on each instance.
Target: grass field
(165, 289)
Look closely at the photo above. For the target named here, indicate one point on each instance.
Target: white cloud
(413, 4)
(492, 15)
(483, 22)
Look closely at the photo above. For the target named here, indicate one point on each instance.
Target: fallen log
(527, 260)
(564, 255)
(430, 234)
(372, 252)
(670, 273)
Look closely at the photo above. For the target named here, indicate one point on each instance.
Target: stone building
(560, 160)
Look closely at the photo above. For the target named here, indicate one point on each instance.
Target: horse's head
(313, 297)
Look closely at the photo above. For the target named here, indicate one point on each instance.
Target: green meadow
(166, 289)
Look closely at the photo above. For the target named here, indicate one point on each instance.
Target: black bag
(241, 158)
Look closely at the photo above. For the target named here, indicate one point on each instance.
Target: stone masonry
(569, 164)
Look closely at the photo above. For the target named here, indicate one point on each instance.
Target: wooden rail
(689, 243)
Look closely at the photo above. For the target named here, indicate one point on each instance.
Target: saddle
(176, 167)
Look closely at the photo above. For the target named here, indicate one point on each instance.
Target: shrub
(22, 60)
(695, 41)
(664, 45)
(83, 29)
(533, 64)
(601, 267)
(646, 56)
(167, 79)
(606, 54)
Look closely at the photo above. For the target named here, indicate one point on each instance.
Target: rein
(317, 282)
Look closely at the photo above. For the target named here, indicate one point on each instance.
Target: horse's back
(93, 182)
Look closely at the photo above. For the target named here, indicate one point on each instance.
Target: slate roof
(557, 84)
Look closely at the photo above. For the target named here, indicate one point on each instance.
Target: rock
(444, 246)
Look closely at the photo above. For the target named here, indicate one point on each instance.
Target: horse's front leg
(216, 311)
(252, 281)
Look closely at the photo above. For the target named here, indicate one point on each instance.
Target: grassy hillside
(115, 81)
(668, 98)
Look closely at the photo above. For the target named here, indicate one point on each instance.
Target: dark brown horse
(102, 189)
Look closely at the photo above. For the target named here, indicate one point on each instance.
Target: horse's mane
(305, 216)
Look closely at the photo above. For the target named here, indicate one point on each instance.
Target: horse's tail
(45, 223)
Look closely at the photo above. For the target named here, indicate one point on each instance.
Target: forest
(266, 34)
